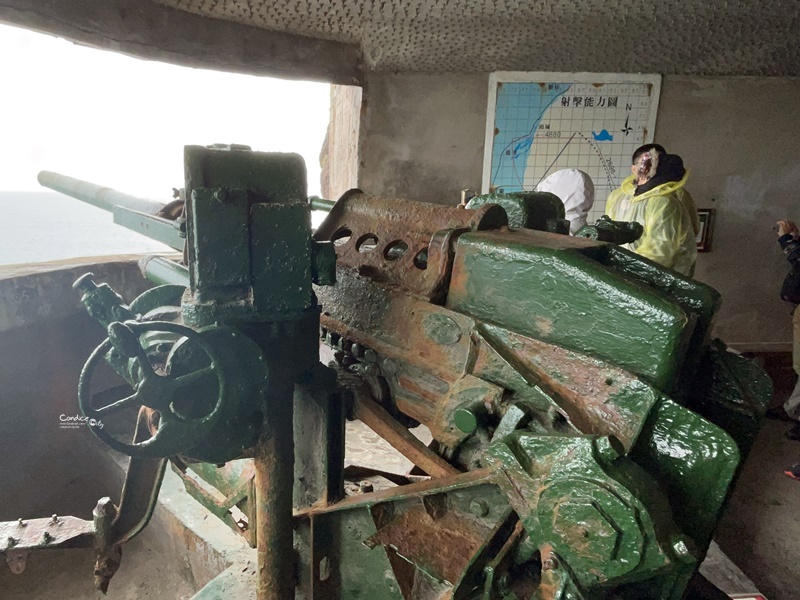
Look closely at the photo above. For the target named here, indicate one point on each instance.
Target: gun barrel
(97, 195)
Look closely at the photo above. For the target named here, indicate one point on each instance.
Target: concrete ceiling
(339, 41)
(720, 37)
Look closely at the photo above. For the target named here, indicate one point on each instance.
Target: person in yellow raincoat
(655, 196)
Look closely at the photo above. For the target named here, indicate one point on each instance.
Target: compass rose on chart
(627, 129)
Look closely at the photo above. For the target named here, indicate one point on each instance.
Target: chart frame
(496, 77)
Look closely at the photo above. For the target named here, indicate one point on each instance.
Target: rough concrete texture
(328, 39)
(339, 156)
(154, 32)
(738, 137)
(422, 136)
(760, 530)
(736, 37)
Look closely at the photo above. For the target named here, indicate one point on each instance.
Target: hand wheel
(176, 431)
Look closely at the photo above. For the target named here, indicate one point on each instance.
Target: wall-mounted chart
(539, 123)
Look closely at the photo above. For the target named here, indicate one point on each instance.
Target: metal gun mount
(617, 232)
(544, 211)
(586, 430)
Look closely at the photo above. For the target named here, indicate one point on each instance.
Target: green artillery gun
(586, 430)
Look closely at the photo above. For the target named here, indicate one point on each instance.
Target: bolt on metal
(479, 507)
(682, 547)
(550, 564)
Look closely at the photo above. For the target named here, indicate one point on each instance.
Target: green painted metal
(694, 460)
(162, 271)
(618, 486)
(137, 214)
(249, 248)
(166, 231)
(322, 204)
(616, 232)
(465, 419)
(530, 210)
(101, 302)
(730, 392)
(97, 195)
(580, 303)
(598, 512)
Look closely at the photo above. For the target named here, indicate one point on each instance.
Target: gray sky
(123, 122)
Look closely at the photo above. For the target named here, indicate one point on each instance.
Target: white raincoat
(576, 191)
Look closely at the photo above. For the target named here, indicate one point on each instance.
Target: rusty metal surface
(595, 397)
(386, 426)
(409, 248)
(50, 532)
(442, 546)
(109, 555)
(274, 475)
(233, 486)
(420, 350)
(140, 490)
(413, 490)
(397, 325)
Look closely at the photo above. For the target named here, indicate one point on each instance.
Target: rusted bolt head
(54, 519)
(479, 507)
(390, 366)
(550, 563)
(47, 537)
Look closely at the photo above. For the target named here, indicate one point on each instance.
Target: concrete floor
(760, 530)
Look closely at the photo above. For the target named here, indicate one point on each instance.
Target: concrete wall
(339, 156)
(738, 136)
(422, 138)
